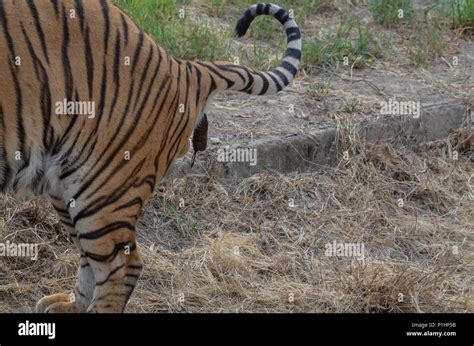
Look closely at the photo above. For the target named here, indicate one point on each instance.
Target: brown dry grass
(242, 248)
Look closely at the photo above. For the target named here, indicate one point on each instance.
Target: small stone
(215, 140)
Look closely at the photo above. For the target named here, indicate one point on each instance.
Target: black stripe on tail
(265, 83)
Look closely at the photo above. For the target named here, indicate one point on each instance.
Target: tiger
(93, 112)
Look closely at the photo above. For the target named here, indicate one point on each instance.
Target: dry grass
(242, 248)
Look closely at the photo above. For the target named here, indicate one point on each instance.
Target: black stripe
(293, 34)
(198, 86)
(65, 57)
(135, 266)
(230, 83)
(282, 16)
(265, 82)
(125, 27)
(138, 50)
(243, 23)
(277, 83)
(61, 211)
(55, 6)
(64, 138)
(150, 180)
(266, 9)
(213, 83)
(80, 12)
(39, 30)
(186, 113)
(231, 69)
(80, 163)
(294, 53)
(105, 11)
(260, 9)
(289, 67)
(127, 295)
(116, 73)
(159, 112)
(111, 256)
(98, 233)
(136, 201)
(89, 62)
(282, 76)
(80, 293)
(143, 77)
(110, 275)
(172, 153)
(173, 109)
(248, 87)
(103, 91)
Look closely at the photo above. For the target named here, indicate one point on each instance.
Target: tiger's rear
(93, 112)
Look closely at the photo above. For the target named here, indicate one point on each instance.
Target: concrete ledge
(299, 153)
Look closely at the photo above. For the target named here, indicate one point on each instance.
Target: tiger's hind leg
(82, 296)
(112, 253)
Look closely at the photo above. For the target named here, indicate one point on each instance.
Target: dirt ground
(260, 245)
(238, 118)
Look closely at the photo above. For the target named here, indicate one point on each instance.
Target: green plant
(426, 43)
(339, 46)
(463, 13)
(179, 34)
(391, 12)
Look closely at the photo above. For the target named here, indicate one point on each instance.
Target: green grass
(339, 47)
(426, 44)
(180, 218)
(302, 9)
(389, 12)
(463, 13)
(189, 39)
(182, 37)
(196, 39)
(192, 37)
(426, 29)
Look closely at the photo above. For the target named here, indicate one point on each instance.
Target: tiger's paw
(57, 303)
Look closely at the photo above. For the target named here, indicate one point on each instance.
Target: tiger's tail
(241, 78)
